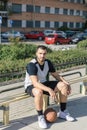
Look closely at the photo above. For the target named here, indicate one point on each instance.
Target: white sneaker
(42, 122)
(65, 115)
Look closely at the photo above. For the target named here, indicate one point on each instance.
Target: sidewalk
(77, 106)
(23, 115)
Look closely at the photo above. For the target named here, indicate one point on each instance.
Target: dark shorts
(50, 84)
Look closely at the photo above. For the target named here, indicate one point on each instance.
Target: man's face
(41, 55)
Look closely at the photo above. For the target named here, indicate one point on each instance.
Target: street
(37, 42)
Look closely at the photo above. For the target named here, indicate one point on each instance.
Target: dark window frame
(37, 24)
(47, 10)
(29, 24)
(17, 24)
(17, 8)
(37, 9)
(30, 8)
(65, 11)
(47, 24)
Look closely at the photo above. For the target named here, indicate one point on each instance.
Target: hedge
(17, 55)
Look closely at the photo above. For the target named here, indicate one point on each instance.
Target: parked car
(57, 39)
(70, 33)
(13, 34)
(35, 35)
(79, 37)
(48, 32)
(59, 32)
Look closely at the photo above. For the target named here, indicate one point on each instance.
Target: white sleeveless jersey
(41, 74)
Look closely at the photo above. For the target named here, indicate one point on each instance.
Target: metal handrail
(78, 72)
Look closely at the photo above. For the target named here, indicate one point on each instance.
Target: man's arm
(59, 77)
(37, 84)
(40, 86)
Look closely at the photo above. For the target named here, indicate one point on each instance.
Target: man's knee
(38, 92)
(63, 88)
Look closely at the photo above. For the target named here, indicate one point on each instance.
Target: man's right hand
(52, 94)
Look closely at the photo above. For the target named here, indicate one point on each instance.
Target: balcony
(3, 8)
(4, 14)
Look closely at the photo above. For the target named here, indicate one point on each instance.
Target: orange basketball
(50, 115)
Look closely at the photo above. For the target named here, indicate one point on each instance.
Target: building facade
(26, 15)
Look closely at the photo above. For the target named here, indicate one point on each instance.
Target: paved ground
(23, 118)
(77, 105)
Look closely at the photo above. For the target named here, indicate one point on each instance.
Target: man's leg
(38, 99)
(62, 88)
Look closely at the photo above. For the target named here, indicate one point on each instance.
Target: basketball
(50, 115)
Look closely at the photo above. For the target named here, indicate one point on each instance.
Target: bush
(59, 56)
(17, 55)
(82, 44)
(17, 51)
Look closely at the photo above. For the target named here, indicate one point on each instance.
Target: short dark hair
(41, 47)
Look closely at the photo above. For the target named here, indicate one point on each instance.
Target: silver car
(13, 34)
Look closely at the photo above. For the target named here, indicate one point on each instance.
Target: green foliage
(17, 51)
(17, 55)
(82, 44)
(63, 28)
(60, 56)
(9, 65)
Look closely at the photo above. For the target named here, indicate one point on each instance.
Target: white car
(12, 34)
(48, 32)
(59, 32)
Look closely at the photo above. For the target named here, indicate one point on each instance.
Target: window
(29, 24)
(4, 22)
(37, 24)
(83, 24)
(66, 0)
(37, 9)
(3, 5)
(85, 14)
(77, 12)
(17, 23)
(72, 1)
(16, 8)
(56, 10)
(56, 24)
(59, 36)
(71, 24)
(47, 24)
(65, 11)
(29, 8)
(71, 12)
(47, 9)
(77, 25)
(65, 24)
(79, 1)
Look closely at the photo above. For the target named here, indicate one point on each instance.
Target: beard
(41, 60)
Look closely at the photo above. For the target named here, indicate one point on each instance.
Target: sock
(40, 112)
(62, 106)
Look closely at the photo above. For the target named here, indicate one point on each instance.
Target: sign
(0, 19)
